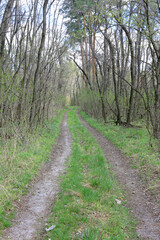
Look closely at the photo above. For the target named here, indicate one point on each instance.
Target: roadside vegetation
(20, 161)
(86, 206)
(137, 144)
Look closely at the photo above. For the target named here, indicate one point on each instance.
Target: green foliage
(85, 207)
(75, 12)
(90, 102)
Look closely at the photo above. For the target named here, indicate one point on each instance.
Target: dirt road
(143, 206)
(36, 205)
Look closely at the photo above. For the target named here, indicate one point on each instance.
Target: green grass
(134, 142)
(85, 207)
(19, 164)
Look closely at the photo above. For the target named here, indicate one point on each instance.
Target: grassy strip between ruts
(18, 166)
(135, 143)
(86, 206)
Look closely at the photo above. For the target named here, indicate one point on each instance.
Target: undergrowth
(19, 164)
(86, 206)
(134, 142)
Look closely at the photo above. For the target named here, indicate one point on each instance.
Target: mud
(142, 204)
(35, 207)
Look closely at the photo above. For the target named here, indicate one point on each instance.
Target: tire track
(143, 207)
(36, 206)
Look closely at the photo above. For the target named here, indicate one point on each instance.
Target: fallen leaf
(118, 201)
(51, 228)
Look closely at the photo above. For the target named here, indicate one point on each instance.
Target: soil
(142, 204)
(36, 205)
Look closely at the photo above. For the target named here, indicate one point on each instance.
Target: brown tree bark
(112, 54)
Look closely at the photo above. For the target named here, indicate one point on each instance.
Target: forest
(114, 45)
(119, 48)
(83, 60)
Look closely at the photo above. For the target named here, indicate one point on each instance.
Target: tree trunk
(157, 103)
(38, 62)
(118, 121)
(4, 25)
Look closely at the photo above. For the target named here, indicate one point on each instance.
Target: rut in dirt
(144, 208)
(36, 205)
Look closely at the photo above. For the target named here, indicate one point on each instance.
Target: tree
(130, 50)
(31, 48)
